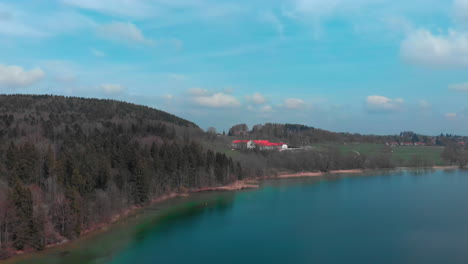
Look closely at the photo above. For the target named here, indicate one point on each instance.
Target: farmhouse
(394, 144)
(259, 144)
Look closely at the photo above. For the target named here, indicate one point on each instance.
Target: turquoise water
(402, 217)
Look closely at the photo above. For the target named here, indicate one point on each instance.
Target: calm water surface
(399, 217)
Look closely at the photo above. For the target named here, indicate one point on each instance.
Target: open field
(364, 148)
(425, 152)
(222, 147)
(406, 153)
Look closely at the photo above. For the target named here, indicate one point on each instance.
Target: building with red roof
(260, 144)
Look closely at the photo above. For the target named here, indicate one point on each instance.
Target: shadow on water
(420, 172)
(187, 212)
(163, 219)
(102, 247)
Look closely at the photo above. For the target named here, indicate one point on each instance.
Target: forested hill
(68, 110)
(68, 164)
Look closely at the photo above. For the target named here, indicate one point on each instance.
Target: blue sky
(367, 66)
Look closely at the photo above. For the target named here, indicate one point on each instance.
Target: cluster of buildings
(394, 144)
(258, 144)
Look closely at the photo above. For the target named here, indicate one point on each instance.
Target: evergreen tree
(140, 188)
(10, 157)
(21, 199)
(49, 163)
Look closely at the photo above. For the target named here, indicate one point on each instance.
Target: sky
(364, 66)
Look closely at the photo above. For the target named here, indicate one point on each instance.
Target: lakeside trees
(455, 154)
(67, 164)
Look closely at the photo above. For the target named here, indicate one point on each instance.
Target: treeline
(258, 163)
(455, 154)
(69, 164)
(300, 135)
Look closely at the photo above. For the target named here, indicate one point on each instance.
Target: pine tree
(102, 177)
(239, 172)
(21, 199)
(141, 187)
(77, 182)
(49, 163)
(10, 156)
(72, 227)
(38, 231)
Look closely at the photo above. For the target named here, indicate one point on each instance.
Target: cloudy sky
(368, 66)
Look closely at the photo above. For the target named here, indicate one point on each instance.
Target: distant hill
(302, 135)
(76, 109)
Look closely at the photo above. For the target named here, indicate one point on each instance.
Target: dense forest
(70, 163)
(302, 135)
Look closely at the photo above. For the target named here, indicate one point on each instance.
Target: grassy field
(426, 152)
(222, 147)
(365, 148)
(405, 153)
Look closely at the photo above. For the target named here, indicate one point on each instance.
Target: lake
(389, 217)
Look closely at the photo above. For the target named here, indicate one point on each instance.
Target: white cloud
(217, 100)
(444, 50)
(198, 91)
(12, 23)
(166, 11)
(398, 24)
(460, 87)
(97, 53)
(294, 103)
(62, 22)
(271, 18)
(168, 97)
(124, 32)
(461, 11)
(424, 104)
(112, 88)
(266, 109)
(377, 103)
(18, 21)
(256, 98)
(15, 76)
(65, 78)
(134, 8)
(177, 77)
(451, 115)
(169, 42)
(314, 8)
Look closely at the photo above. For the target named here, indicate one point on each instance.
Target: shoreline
(249, 183)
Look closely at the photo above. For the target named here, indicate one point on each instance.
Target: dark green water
(399, 217)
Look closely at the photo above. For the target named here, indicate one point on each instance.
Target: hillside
(312, 149)
(302, 135)
(74, 109)
(68, 164)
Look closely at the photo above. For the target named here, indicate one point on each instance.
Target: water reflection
(188, 212)
(291, 221)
